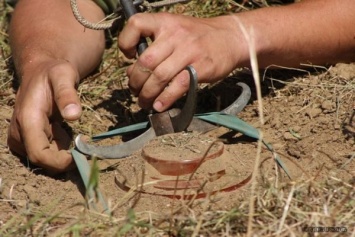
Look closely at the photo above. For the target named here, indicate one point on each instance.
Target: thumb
(63, 78)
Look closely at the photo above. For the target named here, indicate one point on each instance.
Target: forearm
(46, 30)
(313, 31)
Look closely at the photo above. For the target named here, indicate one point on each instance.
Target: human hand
(46, 97)
(212, 46)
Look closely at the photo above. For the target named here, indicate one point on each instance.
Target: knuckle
(147, 60)
(161, 76)
(34, 158)
(64, 159)
(124, 45)
(134, 21)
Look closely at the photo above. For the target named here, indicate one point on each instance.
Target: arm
(51, 52)
(312, 31)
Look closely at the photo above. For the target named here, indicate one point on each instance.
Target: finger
(55, 162)
(61, 139)
(176, 89)
(162, 76)
(29, 112)
(14, 140)
(139, 25)
(180, 84)
(146, 64)
(63, 79)
(156, 83)
(38, 135)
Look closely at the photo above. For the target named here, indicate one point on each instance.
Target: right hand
(213, 46)
(44, 99)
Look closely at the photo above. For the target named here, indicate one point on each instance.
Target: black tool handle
(129, 10)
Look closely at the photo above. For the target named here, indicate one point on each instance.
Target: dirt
(309, 120)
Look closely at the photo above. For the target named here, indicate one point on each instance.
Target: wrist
(241, 34)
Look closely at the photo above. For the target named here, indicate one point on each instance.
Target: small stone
(314, 80)
(327, 105)
(335, 138)
(31, 192)
(288, 136)
(277, 146)
(296, 128)
(275, 123)
(323, 121)
(343, 70)
(21, 203)
(337, 126)
(286, 122)
(295, 153)
(22, 172)
(314, 112)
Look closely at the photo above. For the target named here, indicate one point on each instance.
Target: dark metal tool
(170, 121)
(161, 123)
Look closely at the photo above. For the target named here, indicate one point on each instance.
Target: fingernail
(71, 110)
(158, 106)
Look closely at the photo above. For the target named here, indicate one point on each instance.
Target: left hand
(46, 97)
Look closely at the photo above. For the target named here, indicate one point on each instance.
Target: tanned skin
(52, 52)
(312, 31)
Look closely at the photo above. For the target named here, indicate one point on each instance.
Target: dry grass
(5, 80)
(282, 209)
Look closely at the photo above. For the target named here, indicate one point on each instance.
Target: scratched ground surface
(307, 120)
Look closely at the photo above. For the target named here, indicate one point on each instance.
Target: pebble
(327, 105)
(22, 172)
(313, 112)
(296, 128)
(277, 146)
(275, 123)
(288, 136)
(337, 126)
(293, 152)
